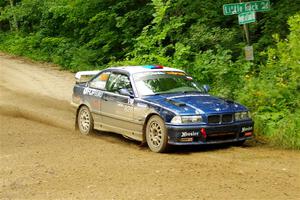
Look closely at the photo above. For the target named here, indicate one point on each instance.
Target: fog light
(247, 134)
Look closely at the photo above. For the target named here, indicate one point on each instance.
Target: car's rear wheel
(85, 121)
(156, 134)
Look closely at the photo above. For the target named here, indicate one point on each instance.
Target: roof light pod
(154, 66)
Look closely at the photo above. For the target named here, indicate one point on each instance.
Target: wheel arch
(145, 125)
(77, 111)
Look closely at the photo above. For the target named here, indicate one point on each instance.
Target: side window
(100, 81)
(117, 82)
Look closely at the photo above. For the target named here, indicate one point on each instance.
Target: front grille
(214, 119)
(227, 118)
(217, 119)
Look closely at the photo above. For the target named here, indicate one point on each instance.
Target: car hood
(190, 104)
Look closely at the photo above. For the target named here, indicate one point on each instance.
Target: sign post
(249, 53)
(237, 8)
(247, 17)
(246, 14)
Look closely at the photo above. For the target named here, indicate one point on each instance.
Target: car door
(94, 92)
(117, 109)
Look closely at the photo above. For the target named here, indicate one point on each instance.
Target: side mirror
(125, 92)
(206, 88)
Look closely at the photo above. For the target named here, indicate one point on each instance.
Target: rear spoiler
(86, 74)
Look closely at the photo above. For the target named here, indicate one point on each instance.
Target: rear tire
(156, 135)
(85, 121)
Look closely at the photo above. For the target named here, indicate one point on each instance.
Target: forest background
(192, 35)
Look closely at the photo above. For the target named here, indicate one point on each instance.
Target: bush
(274, 93)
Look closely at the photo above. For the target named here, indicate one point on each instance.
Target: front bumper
(209, 134)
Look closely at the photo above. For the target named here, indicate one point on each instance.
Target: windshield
(163, 82)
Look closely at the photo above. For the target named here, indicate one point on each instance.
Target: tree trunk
(14, 22)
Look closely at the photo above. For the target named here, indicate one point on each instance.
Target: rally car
(157, 105)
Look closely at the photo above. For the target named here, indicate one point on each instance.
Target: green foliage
(275, 91)
(218, 70)
(187, 34)
(77, 34)
(274, 22)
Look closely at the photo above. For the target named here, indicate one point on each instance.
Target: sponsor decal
(186, 139)
(245, 129)
(92, 92)
(104, 76)
(189, 134)
(176, 73)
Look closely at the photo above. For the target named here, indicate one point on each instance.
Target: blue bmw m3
(157, 105)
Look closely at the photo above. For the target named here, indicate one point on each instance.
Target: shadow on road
(186, 149)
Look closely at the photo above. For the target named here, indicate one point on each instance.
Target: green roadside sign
(237, 8)
(247, 17)
(246, 14)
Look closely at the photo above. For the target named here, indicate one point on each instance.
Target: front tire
(156, 134)
(85, 121)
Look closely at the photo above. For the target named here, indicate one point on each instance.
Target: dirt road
(42, 157)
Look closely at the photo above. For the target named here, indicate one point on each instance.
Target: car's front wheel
(85, 121)
(156, 134)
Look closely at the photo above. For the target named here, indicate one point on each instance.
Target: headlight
(242, 116)
(186, 119)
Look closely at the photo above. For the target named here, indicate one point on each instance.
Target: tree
(14, 21)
